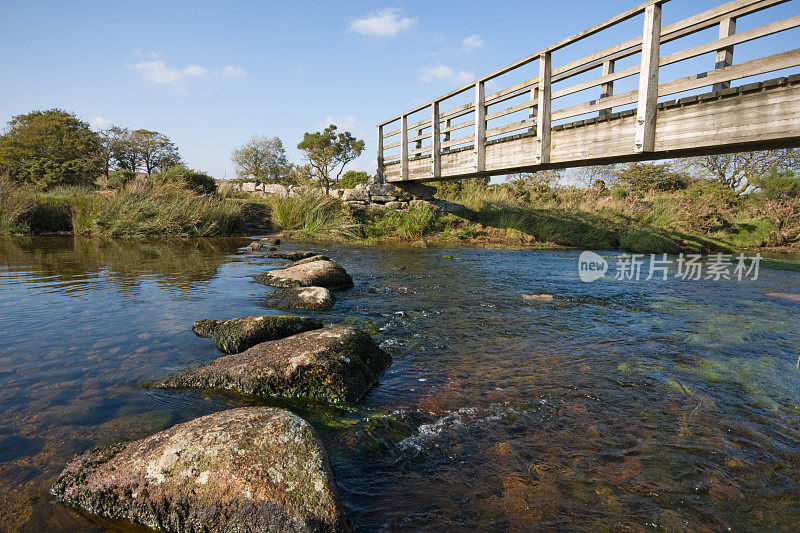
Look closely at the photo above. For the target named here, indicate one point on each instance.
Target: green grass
(312, 214)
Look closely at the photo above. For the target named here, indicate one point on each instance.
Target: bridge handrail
(540, 115)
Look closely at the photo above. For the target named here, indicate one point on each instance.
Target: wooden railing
(440, 126)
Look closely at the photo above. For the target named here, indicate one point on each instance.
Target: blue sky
(212, 74)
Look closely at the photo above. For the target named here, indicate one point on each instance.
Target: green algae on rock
(310, 298)
(319, 273)
(245, 469)
(336, 364)
(238, 334)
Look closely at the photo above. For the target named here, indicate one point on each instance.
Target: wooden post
(727, 27)
(418, 144)
(404, 147)
(380, 178)
(534, 106)
(447, 124)
(607, 89)
(648, 81)
(543, 122)
(436, 157)
(480, 127)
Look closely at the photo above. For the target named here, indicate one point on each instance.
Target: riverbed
(613, 404)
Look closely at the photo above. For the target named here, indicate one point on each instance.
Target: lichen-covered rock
(311, 259)
(246, 469)
(292, 256)
(311, 298)
(238, 334)
(320, 273)
(336, 364)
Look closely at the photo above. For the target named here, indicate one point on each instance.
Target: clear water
(617, 405)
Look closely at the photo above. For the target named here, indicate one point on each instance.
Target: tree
(328, 151)
(263, 158)
(50, 148)
(112, 144)
(739, 172)
(154, 150)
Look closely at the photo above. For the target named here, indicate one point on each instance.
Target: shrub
(191, 179)
(779, 185)
(649, 176)
(648, 241)
(118, 178)
(351, 178)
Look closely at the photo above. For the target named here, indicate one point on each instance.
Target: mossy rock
(317, 273)
(309, 298)
(246, 469)
(239, 334)
(292, 256)
(336, 364)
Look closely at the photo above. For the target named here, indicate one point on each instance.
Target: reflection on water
(617, 404)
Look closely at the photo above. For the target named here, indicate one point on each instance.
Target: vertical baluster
(727, 27)
(607, 89)
(544, 114)
(404, 147)
(418, 144)
(534, 107)
(380, 178)
(447, 124)
(436, 157)
(648, 81)
(480, 127)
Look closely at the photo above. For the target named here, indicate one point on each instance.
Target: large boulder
(246, 469)
(416, 189)
(359, 193)
(238, 334)
(336, 364)
(386, 192)
(321, 273)
(310, 298)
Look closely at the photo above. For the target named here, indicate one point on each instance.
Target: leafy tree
(328, 152)
(50, 148)
(155, 151)
(118, 178)
(739, 172)
(263, 158)
(351, 178)
(649, 176)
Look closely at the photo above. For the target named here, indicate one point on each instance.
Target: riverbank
(700, 219)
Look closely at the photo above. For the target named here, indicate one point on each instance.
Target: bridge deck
(493, 140)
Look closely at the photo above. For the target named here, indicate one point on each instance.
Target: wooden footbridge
(487, 136)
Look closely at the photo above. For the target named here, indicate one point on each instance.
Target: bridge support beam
(607, 89)
(727, 27)
(648, 81)
(543, 122)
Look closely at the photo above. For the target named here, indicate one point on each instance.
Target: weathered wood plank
(607, 88)
(380, 155)
(514, 126)
(509, 110)
(543, 124)
(648, 81)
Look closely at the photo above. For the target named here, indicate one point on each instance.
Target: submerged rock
(312, 298)
(336, 364)
(254, 246)
(319, 273)
(246, 469)
(238, 334)
(292, 256)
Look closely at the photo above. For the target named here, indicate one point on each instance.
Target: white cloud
(99, 123)
(387, 22)
(472, 42)
(229, 71)
(157, 72)
(443, 72)
(194, 70)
